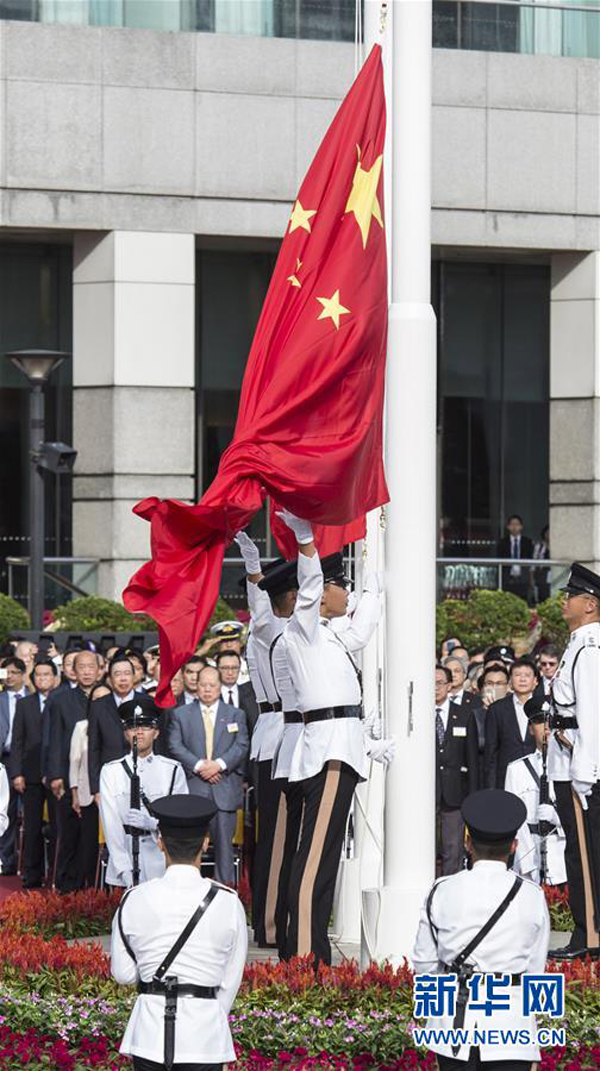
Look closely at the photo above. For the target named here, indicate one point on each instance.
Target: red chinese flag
(309, 427)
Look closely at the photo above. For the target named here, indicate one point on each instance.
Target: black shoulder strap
(170, 792)
(271, 653)
(533, 772)
(432, 927)
(185, 934)
(491, 922)
(128, 947)
(566, 706)
(143, 795)
(357, 671)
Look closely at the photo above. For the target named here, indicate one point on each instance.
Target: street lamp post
(36, 365)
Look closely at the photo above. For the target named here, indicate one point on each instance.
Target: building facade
(146, 178)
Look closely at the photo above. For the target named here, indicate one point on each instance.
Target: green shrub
(554, 628)
(93, 614)
(483, 619)
(221, 612)
(13, 617)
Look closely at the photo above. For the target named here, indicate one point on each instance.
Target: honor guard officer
(575, 695)
(229, 635)
(540, 855)
(158, 776)
(183, 940)
(485, 920)
(332, 755)
(271, 600)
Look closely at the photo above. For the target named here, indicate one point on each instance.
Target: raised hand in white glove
(547, 813)
(372, 583)
(301, 529)
(381, 750)
(372, 725)
(249, 552)
(140, 820)
(583, 789)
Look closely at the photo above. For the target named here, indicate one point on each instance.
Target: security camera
(57, 457)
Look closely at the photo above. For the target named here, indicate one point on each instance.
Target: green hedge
(93, 614)
(483, 619)
(554, 628)
(13, 617)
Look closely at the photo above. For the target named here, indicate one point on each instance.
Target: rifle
(135, 801)
(544, 827)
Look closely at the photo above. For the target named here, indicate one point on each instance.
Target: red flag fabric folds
(309, 427)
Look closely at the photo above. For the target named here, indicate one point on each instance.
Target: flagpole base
(390, 921)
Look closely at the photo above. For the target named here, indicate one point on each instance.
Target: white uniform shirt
(4, 798)
(578, 695)
(323, 675)
(153, 917)
(527, 855)
(157, 775)
(282, 760)
(517, 944)
(559, 756)
(265, 627)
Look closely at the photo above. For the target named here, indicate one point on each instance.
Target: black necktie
(230, 700)
(439, 726)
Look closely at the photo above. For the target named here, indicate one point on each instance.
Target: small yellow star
(332, 308)
(363, 200)
(300, 217)
(293, 279)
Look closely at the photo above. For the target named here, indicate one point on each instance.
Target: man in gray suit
(210, 740)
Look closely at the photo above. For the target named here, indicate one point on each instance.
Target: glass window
(493, 401)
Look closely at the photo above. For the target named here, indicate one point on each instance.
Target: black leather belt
(140, 832)
(331, 713)
(292, 717)
(559, 721)
(159, 989)
(534, 827)
(268, 708)
(515, 979)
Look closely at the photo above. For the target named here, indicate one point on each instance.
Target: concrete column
(575, 408)
(133, 378)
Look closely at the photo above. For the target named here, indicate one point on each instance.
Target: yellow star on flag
(332, 308)
(293, 279)
(300, 217)
(363, 200)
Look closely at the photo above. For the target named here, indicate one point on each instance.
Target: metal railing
(456, 577)
(65, 579)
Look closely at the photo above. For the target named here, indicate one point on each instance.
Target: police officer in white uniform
(576, 700)
(158, 777)
(267, 622)
(333, 754)
(183, 940)
(453, 917)
(540, 855)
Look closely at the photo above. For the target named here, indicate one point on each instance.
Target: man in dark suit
(106, 740)
(229, 664)
(210, 740)
(507, 735)
(455, 770)
(514, 544)
(16, 688)
(65, 711)
(25, 771)
(458, 694)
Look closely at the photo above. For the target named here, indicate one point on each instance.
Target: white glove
(583, 789)
(301, 529)
(372, 583)
(140, 820)
(372, 725)
(547, 813)
(249, 552)
(381, 750)
(127, 878)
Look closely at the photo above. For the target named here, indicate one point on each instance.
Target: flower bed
(558, 906)
(79, 914)
(33, 1049)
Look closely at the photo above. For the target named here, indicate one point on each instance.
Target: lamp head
(36, 364)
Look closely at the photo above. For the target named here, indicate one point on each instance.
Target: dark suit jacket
(249, 705)
(504, 551)
(64, 712)
(503, 741)
(26, 747)
(187, 742)
(456, 761)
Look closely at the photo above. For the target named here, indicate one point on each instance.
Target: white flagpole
(391, 912)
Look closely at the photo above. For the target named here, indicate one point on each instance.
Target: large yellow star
(363, 197)
(332, 308)
(300, 217)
